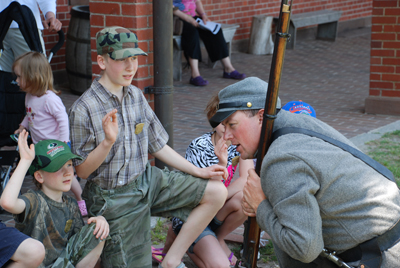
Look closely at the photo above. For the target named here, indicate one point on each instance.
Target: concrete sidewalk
(333, 77)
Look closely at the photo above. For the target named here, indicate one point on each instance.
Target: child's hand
(110, 126)
(221, 151)
(102, 228)
(19, 130)
(25, 152)
(213, 171)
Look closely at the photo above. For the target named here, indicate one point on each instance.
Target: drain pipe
(163, 68)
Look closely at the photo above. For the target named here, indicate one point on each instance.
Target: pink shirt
(46, 117)
(190, 7)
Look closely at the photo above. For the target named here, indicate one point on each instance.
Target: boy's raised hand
(102, 228)
(110, 126)
(26, 152)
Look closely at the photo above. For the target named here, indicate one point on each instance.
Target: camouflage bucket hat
(118, 42)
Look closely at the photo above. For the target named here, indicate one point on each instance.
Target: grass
(159, 232)
(385, 150)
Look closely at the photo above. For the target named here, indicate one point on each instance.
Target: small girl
(46, 117)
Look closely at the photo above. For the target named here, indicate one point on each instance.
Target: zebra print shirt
(201, 154)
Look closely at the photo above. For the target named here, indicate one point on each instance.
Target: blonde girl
(46, 117)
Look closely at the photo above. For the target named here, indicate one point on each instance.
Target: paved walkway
(331, 76)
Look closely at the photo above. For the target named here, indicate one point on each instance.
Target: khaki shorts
(128, 210)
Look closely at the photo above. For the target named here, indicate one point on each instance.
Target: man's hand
(25, 152)
(110, 126)
(102, 228)
(204, 18)
(192, 21)
(52, 23)
(253, 194)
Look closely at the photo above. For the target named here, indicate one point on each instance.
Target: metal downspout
(163, 67)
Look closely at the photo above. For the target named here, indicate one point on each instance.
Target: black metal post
(163, 68)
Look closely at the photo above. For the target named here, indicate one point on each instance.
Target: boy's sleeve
(31, 208)
(81, 134)
(157, 135)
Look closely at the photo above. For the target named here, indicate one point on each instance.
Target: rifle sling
(356, 153)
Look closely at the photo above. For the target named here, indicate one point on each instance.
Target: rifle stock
(252, 230)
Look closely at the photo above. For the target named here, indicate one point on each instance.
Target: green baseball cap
(51, 155)
(118, 42)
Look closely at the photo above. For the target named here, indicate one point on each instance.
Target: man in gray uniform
(312, 194)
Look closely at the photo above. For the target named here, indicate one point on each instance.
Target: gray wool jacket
(319, 195)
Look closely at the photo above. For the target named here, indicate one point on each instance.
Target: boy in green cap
(122, 186)
(47, 214)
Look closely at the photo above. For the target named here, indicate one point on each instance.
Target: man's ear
(260, 115)
(38, 176)
(101, 62)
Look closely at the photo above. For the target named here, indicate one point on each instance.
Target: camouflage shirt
(50, 222)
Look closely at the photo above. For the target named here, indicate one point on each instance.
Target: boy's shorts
(10, 239)
(128, 210)
(78, 247)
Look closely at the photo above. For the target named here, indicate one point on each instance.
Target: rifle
(252, 230)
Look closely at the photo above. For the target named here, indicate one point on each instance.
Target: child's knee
(216, 192)
(36, 253)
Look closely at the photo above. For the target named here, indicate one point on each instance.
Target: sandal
(232, 264)
(198, 81)
(82, 207)
(157, 255)
(234, 75)
(181, 265)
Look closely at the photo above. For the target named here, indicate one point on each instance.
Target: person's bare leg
(233, 216)
(194, 67)
(76, 189)
(208, 253)
(30, 253)
(213, 199)
(227, 65)
(169, 239)
(92, 258)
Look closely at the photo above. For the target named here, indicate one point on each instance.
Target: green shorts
(78, 246)
(128, 210)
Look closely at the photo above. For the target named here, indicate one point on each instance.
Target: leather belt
(372, 248)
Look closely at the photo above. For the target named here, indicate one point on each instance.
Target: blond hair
(35, 72)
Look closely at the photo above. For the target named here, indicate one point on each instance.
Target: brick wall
(242, 11)
(385, 49)
(136, 14)
(384, 92)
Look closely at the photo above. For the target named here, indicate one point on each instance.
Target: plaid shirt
(129, 154)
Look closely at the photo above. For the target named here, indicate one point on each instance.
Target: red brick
(375, 77)
(397, 86)
(392, 11)
(381, 69)
(384, 20)
(374, 92)
(376, 44)
(382, 52)
(391, 61)
(383, 36)
(388, 3)
(391, 93)
(97, 20)
(377, 11)
(391, 77)
(106, 8)
(382, 85)
(376, 28)
(391, 28)
(391, 44)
